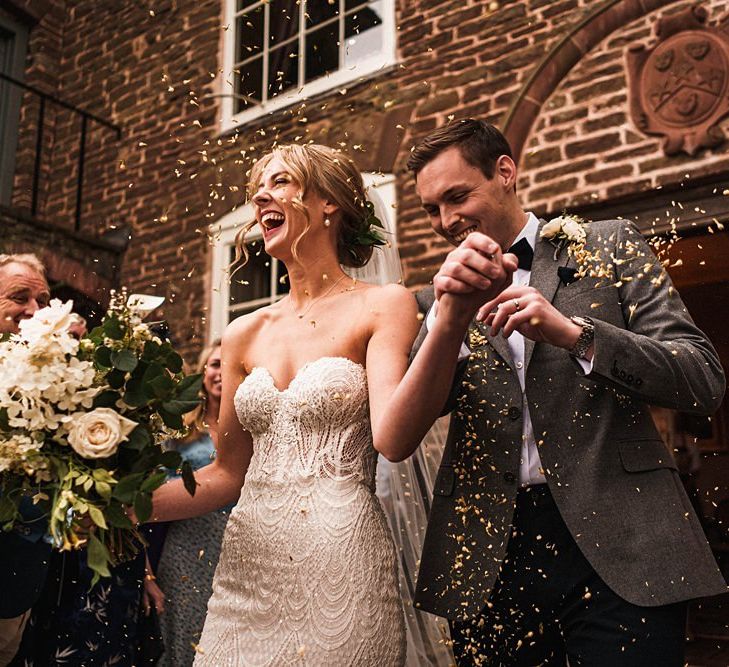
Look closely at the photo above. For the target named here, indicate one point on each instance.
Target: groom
(559, 527)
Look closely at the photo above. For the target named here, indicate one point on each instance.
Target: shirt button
(509, 477)
(519, 364)
(514, 413)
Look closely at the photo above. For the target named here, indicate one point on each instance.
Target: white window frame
(359, 71)
(223, 232)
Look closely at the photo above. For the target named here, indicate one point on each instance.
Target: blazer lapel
(425, 300)
(498, 342)
(544, 276)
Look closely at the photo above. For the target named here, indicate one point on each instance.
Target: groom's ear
(505, 171)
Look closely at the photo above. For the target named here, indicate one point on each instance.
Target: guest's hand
(152, 596)
(524, 309)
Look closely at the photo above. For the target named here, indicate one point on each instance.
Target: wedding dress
(307, 574)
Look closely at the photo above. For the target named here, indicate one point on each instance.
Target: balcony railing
(86, 119)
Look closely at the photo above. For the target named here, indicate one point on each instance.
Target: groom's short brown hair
(481, 145)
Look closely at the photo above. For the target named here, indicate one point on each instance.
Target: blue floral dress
(186, 568)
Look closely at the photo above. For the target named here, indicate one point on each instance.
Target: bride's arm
(219, 483)
(405, 401)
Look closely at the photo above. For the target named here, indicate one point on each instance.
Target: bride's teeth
(273, 219)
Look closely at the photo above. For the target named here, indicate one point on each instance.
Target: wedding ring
(516, 304)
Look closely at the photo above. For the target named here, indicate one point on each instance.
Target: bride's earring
(327, 222)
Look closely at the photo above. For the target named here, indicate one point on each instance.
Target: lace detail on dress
(307, 573)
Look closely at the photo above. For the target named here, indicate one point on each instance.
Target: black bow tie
(524, 253)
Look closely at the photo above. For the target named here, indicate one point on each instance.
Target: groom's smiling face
(460, 199)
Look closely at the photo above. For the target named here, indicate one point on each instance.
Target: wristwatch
(579, 349)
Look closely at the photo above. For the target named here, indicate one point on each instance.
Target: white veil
(406, 489)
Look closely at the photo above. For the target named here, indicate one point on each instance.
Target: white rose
(551, 229)
(97, 434)
(573, 230)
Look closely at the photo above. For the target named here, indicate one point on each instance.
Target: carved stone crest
(678, 85)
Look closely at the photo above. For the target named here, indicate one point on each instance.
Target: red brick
(594, 145)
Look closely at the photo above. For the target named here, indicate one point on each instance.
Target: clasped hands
(476, 280)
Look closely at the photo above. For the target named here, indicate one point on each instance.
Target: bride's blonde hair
(333, 176)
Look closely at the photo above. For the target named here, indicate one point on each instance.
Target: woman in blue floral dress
(191, 547)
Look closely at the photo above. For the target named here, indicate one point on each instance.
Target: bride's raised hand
(473, 273)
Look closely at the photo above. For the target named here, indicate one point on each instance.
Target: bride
(314, 386)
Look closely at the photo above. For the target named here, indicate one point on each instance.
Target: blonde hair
(333, 176)
(195, 419)
(29, 259)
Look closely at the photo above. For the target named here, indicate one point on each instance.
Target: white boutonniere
(570, 229)
(567, 228)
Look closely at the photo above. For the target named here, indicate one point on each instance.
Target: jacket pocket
(645, 455)
(445, 482)
(586, 291)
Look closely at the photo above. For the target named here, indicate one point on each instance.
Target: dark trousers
(549, 605)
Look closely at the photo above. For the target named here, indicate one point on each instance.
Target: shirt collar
(529, 231)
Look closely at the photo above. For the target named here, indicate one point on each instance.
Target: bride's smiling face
(281, 211)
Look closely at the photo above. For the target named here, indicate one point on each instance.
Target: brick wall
(88, 266)
(586, 148)
(172, 173)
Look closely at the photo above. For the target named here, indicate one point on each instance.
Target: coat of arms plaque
(679, 85)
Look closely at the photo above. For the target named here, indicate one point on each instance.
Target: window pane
(283, 21)
(283, 68)
(349, 5)
(244, 4)
(363, 33)
(282, 276)
(322, 51)
(249, 82)
(320, 11)
(253, 279)
(249, 34)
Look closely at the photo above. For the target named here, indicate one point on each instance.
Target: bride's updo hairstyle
(333, 176)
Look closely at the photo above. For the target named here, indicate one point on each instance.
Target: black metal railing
(86, 117)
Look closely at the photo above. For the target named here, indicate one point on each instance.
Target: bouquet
(82, 423)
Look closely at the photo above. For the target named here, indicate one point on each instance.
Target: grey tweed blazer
(612, 477)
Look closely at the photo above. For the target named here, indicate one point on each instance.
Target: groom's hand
(524, 309)
(476, 271)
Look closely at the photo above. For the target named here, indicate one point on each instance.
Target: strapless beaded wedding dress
(307, 574)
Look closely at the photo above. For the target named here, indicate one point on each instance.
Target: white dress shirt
(530, 467)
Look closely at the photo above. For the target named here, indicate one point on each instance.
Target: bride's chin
(277, 247)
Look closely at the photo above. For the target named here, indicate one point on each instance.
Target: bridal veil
(405, 489)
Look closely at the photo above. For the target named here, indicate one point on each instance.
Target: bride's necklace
(313, 301)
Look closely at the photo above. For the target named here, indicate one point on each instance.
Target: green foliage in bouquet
(82, 425)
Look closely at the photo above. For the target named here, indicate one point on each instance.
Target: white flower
(144, 304)
(53, 319)
(566, 227)
(551, 229)
(573, 230)
(14, 450)
(97, 434)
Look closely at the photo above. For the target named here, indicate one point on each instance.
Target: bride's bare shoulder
(243, 328)
(390, 298)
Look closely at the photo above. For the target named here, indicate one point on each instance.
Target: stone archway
(566, 53)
